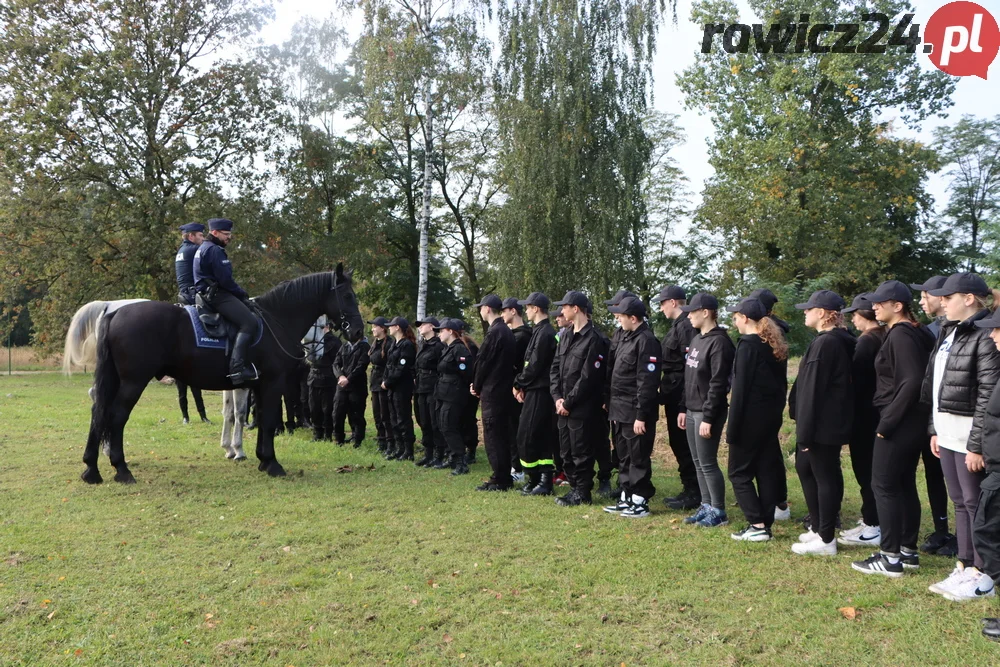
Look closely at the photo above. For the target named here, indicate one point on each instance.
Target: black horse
(152, 339)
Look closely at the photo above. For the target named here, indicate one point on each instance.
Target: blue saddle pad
(202, 339)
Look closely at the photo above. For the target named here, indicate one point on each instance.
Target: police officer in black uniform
(577, 387)
(351, 369)
(424, 406)
(513, 317)
(454, 373)
(378, 356)
(493, 382)
(536, 433)
(213, 280)
(193, 235)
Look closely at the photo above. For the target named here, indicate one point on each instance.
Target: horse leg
(268, 415)
(240, 398)
(182, 399)
(228, 418)
(91, 475)
(126, 399)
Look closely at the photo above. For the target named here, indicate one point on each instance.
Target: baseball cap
(670, 292)
(824, 299)
(536, 299)
(752, 307)
(892, 290)
(630, 305)
(962, 283)
(700, 301)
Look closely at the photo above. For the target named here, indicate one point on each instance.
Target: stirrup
(248, 374)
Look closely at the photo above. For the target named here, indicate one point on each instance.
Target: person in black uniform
(352, 389)
(470, 422)
(673, 354)
(193, 235)
(492, 382)
(424, 405)
(513, 313)
(633, 406)
(606, 451)
(399, 382)
(213, 280)
(560, 324)
(536, 432)
(451, 393)
(576, 381)
(380, 398)
(323, 383)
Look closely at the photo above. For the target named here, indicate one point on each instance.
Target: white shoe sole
(857, 542)
(948, 595)
(613, 510)
(891, 575)
(811, 553)
(635, 516)
(755, 538)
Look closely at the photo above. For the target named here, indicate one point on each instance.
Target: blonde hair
(832, 318)
(771, 334)
(990, 301)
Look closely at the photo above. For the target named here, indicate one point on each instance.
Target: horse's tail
(82, 337)
(106, 382)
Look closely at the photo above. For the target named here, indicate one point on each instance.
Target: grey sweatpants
(705, 453)
(963, 487)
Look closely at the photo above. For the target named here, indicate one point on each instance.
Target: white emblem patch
(597, 364)
(651, 367)
(461, 367)
(402, 362)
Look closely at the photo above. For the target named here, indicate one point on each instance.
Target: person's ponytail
(771, 334)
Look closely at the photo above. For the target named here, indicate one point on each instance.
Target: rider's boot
(239, 372)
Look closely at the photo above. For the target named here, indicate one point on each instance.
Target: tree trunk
(425, 217)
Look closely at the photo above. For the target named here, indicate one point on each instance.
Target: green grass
(210, 562)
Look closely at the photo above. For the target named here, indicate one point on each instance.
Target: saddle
(212, 331)
(214, 324)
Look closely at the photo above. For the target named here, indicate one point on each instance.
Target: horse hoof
(125, 477)
(262, 466)
(275, 470)
(91, 476)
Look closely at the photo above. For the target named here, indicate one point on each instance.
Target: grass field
(210, 562)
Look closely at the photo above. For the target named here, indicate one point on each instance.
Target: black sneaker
(687, 500)
(950, 548)
(910, 560)
(460, 469)
(879, 564)
(571, 499)
(935, 541)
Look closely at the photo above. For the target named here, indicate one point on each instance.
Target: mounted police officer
(194, 235)
(213, 280)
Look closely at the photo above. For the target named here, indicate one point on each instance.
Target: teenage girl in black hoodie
(902, 430)
(822, 405)
(399, 367)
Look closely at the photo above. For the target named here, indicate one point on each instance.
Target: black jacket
(427, 360)
(760, 384)
(822, 398)
(454, 373)
(321, 374)
(782, 324)
(990, 438)
(674, 353)
(577, 373)
(400, 360)
(184, 270)
(537, 360)
(707, 373)
(969, 376)
(377, 359)
(352, 363)
(863, 377)
(494, 372)
(899, 375)
(635, 379)
(522, 336)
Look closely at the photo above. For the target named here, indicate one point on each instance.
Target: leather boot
(533, 478)
(239, 372)
(390, 450)
(406, 453)
(427, 459)
(446, 462)
(460, 466)
(544, 486)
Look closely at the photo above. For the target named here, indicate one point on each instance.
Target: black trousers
(350, 406)
(681, 450)
(536, 431)
(515, 423)
(937, 491)
(758, 459)
(383, 420)
(450, 419)
(603, 455)
(424, 409)
(576, 443)
(635, 469)
(470, 427)
(235, 311)
(822, 485)
(862, 447)
(986, 525)
(182, 399)
(401, 416)
(496, 438)
(304, 399)
(894, 482)
(321, 408)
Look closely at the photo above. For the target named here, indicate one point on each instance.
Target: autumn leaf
(447, 638)
(850, 613)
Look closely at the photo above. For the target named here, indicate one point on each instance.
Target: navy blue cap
(962, 283)
(220, 225)
(192, 228)
(752, 307)
(379, 322)
(861, 302)
(670, 292)
(617, 298)
(399, 322)
(824, 299)
(491, 300)
(555, 313)
(934, 282)
(765, 296)
(452, 323)
(512, 302)
(630, 305)
(701, 301)
(574, 298)
(892, 290)
(536, 299)
(991, 322)
(433, 321)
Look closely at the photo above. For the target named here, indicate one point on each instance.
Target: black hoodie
(822, 398)
(760, 384)
(899, 374)
(707, 373)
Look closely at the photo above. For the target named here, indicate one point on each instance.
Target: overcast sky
(679, 45)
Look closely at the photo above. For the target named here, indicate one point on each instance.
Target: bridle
(343, 325)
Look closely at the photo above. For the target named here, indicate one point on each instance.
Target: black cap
(630, 305)
(491, 300)
(617, 298)
(934, 282)
(433, 321)
(824, 299)
(752, 307)
(452, 323)
(192, 228)
(379, 322)
(574, 298)
(399, 322)
(220, 224)
(536, 299)
(512, 302)
(962, 283)
(892, 290)
(991, 322)
(701, 301)
(555, 313)
(590, 306)
(670, 292)
(861, 302)
(765, 296)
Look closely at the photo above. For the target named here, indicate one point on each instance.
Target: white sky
(679, 45)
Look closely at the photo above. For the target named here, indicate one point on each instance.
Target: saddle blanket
(202, 339)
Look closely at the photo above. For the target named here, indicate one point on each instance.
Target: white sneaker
(783, 514)
(809, 537)
(637, 510)
(854, 532)
(957, 575)
(867, 536)
(816, 547)
(974, 585)
(516, 476)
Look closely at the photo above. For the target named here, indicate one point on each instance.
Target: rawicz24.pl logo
(961, 38)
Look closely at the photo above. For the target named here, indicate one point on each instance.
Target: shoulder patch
(651, 367)
(653, 359)
(597, 364)
(402, 362)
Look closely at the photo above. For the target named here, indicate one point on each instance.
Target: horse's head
(342, 305)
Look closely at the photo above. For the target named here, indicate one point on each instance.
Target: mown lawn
(210, 562)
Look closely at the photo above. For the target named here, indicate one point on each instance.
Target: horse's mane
(296, 289)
